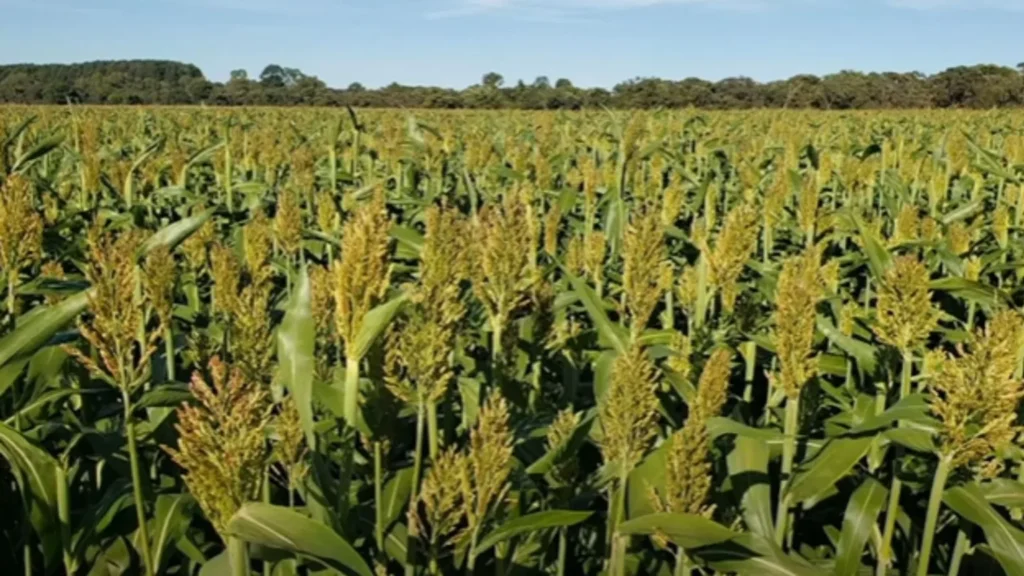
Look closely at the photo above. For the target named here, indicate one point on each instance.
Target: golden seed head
(595, 248)
(972, 268)
(115, 307)
(929, 229)
(257, 245)
(796, 297)
(21, 226)
(252, 341)
(959, 238)
(226, 272)
(490, 459)
(732, 247)
(574, 255)
(160, 276)
(688, 471)
(688, 287)
(552, 221)
(221, 443)
(829, 275)
(290, 448)
(288, 222)
(504, 243)
(362, 274)
(906, 226)
(975, 395)
(905, 315)
(807, 209)
(848, 317)
(629, 411)
(327, 217)
(194, 248)
(679, 361)
(441, 495)
(643, 255)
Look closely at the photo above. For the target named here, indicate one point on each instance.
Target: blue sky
(454, 42)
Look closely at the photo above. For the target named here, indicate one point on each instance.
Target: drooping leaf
(531, 523)
(374, 324)
(296, 340)
(1004, 539)
(833, 462)
(285, 529)
(748, 472)
(858, 521)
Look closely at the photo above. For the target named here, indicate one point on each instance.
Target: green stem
(140, 510)
(790, 428)
(265, 490)
(378, 491)
(417, 470)
(432, 431)
(932, 516)
(616, 509)
(892, 508)
(351, 400)
(683, 566)
(238, 557)
(12, 278)
(64, 515)
(563, 545)
(169, 351)
(958, 552)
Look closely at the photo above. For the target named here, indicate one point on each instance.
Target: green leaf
(170, 521)
(296, 341)
(912, 409)
(531, 523)
(173, 234)
(1004, 492)
(914, 438)
(36, 473)
(833, 462)
(36, 152)
(395, 496)
(970, 290)
(879, 258)
(748, 473)
(36, 332)
(752, 555)
(612, 334)
(219, 565)
(1005, 540)
(684, 530)
(864, 353)
(858, 521)
(374, 324)
(963, 212)
(285, 529)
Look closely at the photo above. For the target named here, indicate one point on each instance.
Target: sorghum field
(270, 341)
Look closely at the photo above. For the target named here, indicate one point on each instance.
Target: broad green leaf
(36, 473)
(36, 152)
(1005, 540)
(170, 521)
(531, 523)
(748, 473)
(858, 521)
(36, 333)
(219, 565)
(173, 234)
(1004, 492)
(916, 439)
(752, 555)
(684, 530)
(971, 291)
(296, 340)
(395, 496)
(374, 324)
(612, 334)
(285, 529)
(864, 353)
(833, 462)
(879, 258)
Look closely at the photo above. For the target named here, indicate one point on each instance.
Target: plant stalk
(238, 557)
(931, 518)
(140, 510)
(790, 428)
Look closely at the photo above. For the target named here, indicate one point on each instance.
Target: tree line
(165, 82)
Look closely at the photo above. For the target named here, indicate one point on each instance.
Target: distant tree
(493, 80)
(239, 75)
